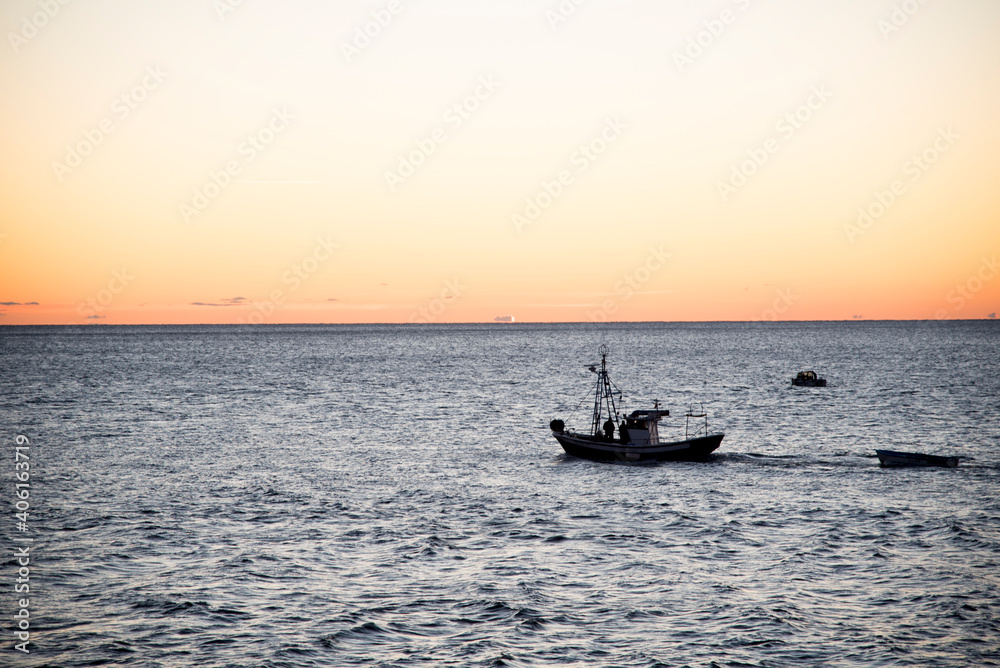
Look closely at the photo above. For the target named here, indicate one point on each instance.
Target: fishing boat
(892, 458)
(638, 432)
(808, 379)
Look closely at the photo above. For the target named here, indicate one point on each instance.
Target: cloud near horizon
(231, 301)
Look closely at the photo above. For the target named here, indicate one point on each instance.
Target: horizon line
(490, 322)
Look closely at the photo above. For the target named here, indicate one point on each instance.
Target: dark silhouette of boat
(639, 438)
(892, 458)
(808, 379)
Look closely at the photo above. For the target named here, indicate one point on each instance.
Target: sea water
(392, 496)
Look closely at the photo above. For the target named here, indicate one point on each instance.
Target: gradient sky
(117, 113)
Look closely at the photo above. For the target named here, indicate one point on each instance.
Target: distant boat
(808, 379)
(892, 458)
(639, 438)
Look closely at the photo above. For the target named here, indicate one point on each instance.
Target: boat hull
(600, 450)
(892, 458)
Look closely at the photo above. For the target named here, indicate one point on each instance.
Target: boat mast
(603, 397)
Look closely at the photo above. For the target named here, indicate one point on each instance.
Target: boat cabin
(641, 426)
(806, 375)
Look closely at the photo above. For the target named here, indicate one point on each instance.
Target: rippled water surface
(391, 496)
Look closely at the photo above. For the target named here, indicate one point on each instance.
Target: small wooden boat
(808, 379)
(891, 458)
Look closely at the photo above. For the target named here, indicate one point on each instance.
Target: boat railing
(699, 428)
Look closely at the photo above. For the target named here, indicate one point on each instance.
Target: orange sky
(195, 162)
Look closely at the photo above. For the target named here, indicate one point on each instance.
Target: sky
(434, 161)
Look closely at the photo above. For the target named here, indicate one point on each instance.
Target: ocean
(392, 496)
